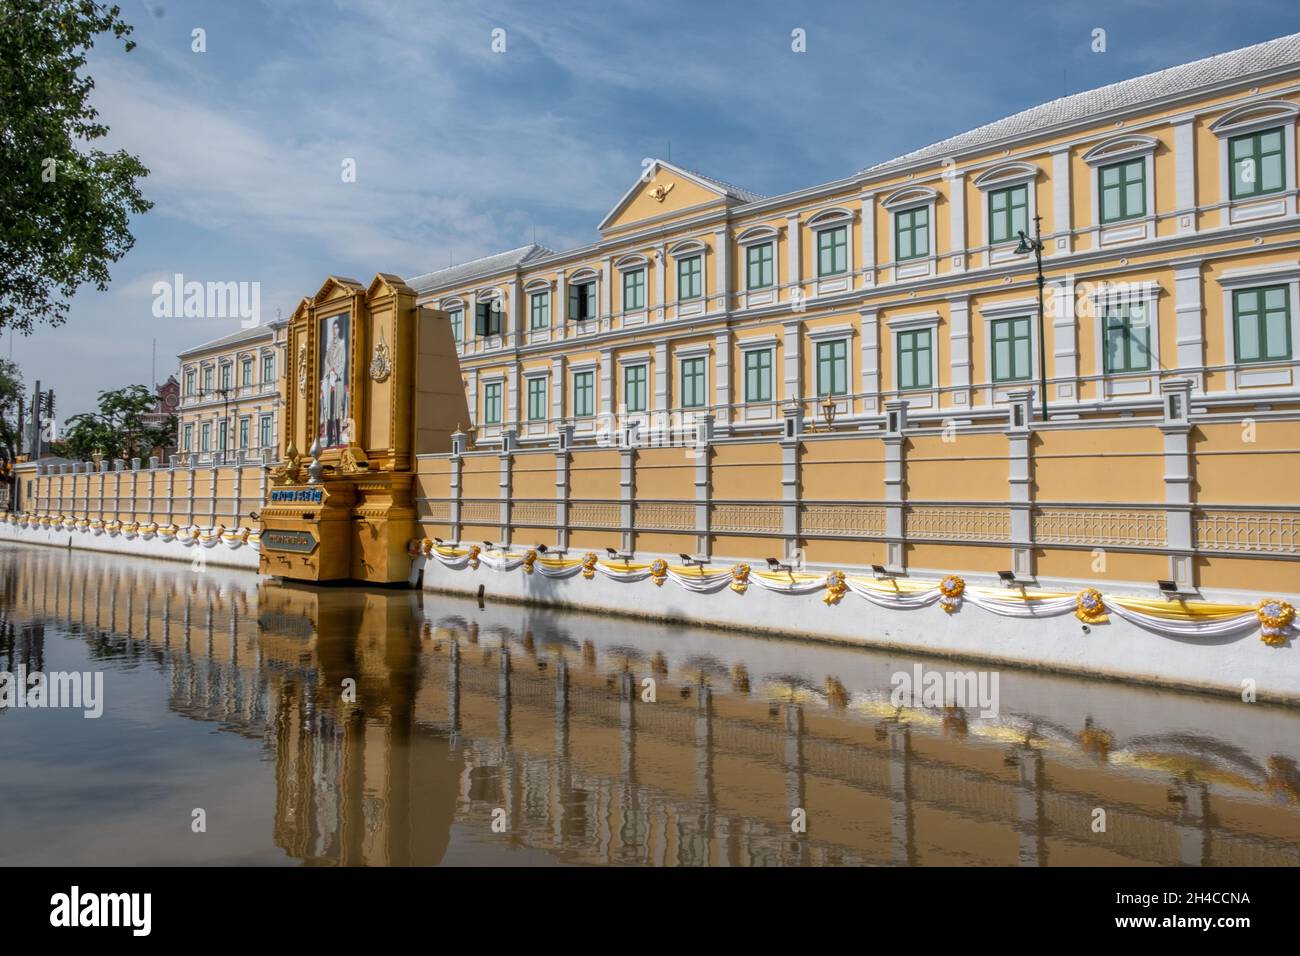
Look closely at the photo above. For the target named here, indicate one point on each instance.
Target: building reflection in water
(545, 724)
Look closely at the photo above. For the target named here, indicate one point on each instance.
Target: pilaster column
(557, 392)
(560, 307)
(722, 379)
(1020, 481)
(1176, 397)
(1185, 175)
(562, 460)
(1059, 297)
(957, 218)
(703, 482)
(1061, 217)
(662, 373)
(793, 372)
(506, 457)
(793, 255)
(790, 445)
(895, 468)
(959, 343)
(870, 321)
(626, 494)
(606, 277)
(867, 239)
(457, 470)
(661, 279)
(1189, 330)
(607, 386)
(722, 268)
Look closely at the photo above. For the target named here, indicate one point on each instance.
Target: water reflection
(519, 735)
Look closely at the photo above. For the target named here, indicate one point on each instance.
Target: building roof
(484, 266)
(732, 190)
(235, 338)
(1223, 67)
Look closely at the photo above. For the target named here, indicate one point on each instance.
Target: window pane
(1270, 173)
(1110, 204)
(1275, 335)
(1134, 199)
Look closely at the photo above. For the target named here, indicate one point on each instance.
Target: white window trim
(630, 362)
(927, 396)
(484, 381)
(689, 249)
(1020, 308)
(624, 266)
(1253, 118)
(530, 376)
(1122, 149)
(840, 333)
(690, 355)
(585, 368)
(582, 277)
(759, 236)
(1000, 177)
(1252, 375)
(905, 200)
(758, 343)
(1126, 384)
(823, 220)
(550, 308)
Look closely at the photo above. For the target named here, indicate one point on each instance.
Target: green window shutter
(1127, 338)
(1262, 324)
(1008, 213)
(583, 403)
(758, 375)
(914, 359)
(1011, 349)
(1258, 163)
(1123, 190)
(575, 293)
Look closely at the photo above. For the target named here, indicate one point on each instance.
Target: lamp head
(1024, 248)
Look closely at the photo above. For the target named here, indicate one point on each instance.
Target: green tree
(11, 389)
(65, 204)
(126, 426)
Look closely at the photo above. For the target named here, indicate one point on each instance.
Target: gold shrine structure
(372, 382)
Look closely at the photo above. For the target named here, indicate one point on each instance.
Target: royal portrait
(335, 407)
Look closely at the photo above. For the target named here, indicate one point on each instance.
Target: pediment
(337, 287)
(663, 191)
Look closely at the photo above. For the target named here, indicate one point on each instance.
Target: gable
(665, 192)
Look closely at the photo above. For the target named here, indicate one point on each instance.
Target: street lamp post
(1035, 245)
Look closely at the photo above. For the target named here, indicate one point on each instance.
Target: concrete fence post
(895, 485)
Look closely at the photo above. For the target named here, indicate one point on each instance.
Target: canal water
(246, 721)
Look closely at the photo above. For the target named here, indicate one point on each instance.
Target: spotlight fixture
(1168, 588)
(489, 545)
(689, 561)
(624, 556)
(1008, 578)
(541, 549)
(439, 541)
(774, 565)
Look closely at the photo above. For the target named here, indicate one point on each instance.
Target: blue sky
(461, 151)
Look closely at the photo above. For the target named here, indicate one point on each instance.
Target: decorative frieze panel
(1259, 532)
(842, 520)
(665, 515)
(746, 518)
(958, 524)
(1100, 527)
(480, 512)
(593, 514)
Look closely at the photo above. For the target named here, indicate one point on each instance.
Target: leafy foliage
(126, 426)
(65, 204)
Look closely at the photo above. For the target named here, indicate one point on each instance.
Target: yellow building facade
(230, 406)
(865, 359)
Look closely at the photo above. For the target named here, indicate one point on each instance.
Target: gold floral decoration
(413, 547)
(1275, 618)
(589, 565)
(658, 571)
(835, 587)
(739, 578)
(952, 587)
(1089, 607)
(474, 552)
(530, 558)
